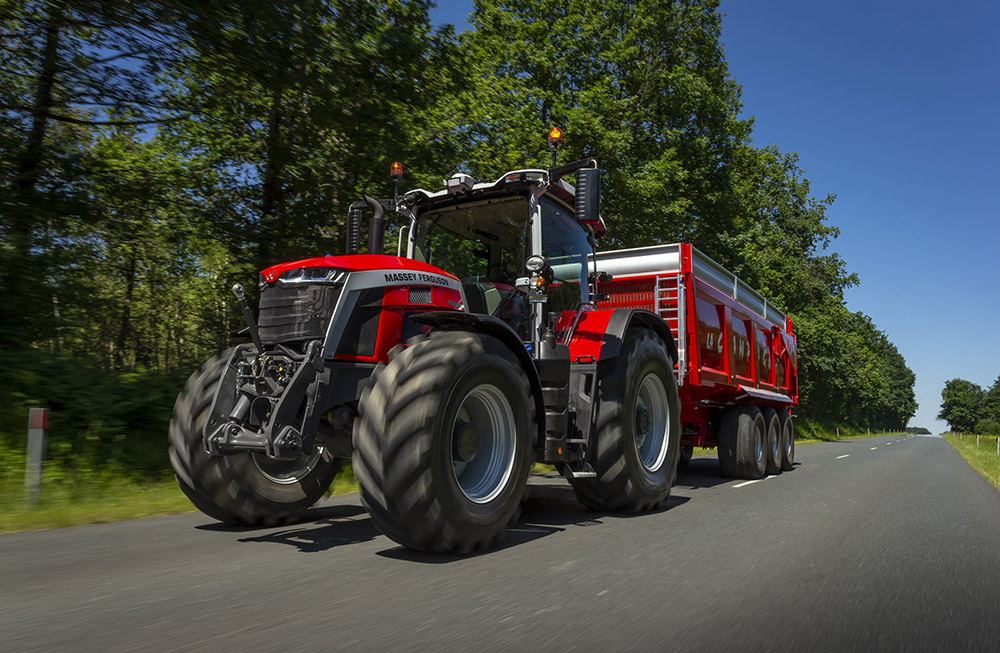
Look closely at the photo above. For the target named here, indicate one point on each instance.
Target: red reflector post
(38, 418)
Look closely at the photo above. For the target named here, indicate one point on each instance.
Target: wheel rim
(652, 414)
(287, 472)
(483, 437)
(775, 448)
(788, 441)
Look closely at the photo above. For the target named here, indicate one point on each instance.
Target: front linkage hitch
(267, 402)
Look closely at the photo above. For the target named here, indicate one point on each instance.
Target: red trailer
(736, 370)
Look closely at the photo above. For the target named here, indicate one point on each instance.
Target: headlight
(535, 263)
(311, 275)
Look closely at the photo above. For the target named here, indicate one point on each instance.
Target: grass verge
(983, 458)
(98, 503)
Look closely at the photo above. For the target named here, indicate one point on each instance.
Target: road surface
(888, 543)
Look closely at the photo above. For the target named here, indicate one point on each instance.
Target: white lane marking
(888, 444)
(844, 456)
(748, 483)
(873, 449)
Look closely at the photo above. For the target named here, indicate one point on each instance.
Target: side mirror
(588, 195)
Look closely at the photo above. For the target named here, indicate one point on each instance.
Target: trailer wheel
(637, 441)
(772, 441)
(742, 435)
(686, 455)
(443, 445)
(787, 441)
(241, 489)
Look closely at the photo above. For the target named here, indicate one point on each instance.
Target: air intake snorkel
(375, 228)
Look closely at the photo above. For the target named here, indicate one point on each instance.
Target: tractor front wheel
(443, 445)
(245, 489)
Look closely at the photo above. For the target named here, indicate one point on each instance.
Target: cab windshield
(485, 244)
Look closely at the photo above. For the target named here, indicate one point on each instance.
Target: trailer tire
(442, 448)
(687, 452)
(772, 441)
(787, 441)
(240, 489)
(741, 443)
(637, 440)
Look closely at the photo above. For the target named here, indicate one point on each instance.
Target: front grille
(296, 312)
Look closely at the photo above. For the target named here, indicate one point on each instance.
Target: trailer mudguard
(492, 326)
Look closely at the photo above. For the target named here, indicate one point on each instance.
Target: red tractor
(443, 374)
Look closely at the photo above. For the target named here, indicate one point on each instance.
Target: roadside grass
(103, 500)
(86, 496)
(983, 458)
(807, 430)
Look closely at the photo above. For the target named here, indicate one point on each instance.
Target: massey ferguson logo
(419, 277)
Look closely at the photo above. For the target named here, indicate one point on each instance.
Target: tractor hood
(355, 263)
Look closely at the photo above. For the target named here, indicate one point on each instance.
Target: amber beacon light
(555, 137)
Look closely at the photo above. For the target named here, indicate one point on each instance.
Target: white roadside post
(38, 421)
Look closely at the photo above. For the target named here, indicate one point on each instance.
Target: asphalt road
(881, 544)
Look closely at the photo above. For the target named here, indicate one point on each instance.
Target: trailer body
(734, 346)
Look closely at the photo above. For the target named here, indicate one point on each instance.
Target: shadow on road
(330, 527)
(548, 509)
(550, 506)
(700, 473)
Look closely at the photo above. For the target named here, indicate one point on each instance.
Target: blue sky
(892, 106)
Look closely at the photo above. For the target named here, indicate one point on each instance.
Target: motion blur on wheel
(495, 337)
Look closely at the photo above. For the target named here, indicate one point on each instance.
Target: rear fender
(599, 334)
(491, 326)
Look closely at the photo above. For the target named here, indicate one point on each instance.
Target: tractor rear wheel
(638, 436)
(741, 443)
(245, 489)
(443, 445)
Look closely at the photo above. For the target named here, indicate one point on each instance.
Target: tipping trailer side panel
(734, 346)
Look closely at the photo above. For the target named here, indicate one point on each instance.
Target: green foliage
(961, 404)
(99, 420)
(850, 372)
(988, 426)
(159, 152)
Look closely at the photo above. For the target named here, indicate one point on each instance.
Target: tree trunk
(20, 278)
(123, 332)
(272, 191)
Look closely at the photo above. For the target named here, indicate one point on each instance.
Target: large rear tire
(444, 443)
(741, 443)
(772, 441)
(240, 489)
(638, 434)
(787, 442)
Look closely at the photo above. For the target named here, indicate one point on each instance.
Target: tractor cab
(518, 245)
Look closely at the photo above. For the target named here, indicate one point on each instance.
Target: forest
(968, 408)
(155, 153)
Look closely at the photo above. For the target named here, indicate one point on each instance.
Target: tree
(961, 404)
(66, 69)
